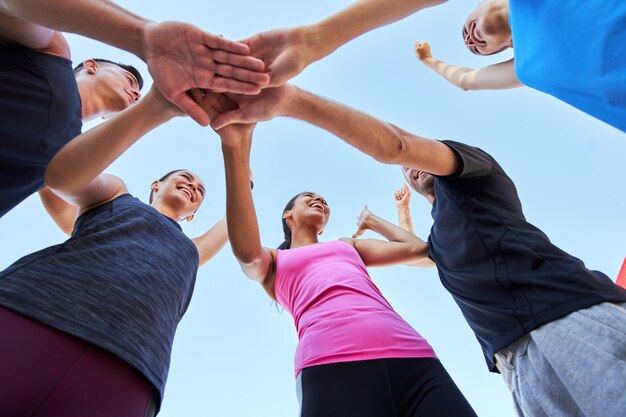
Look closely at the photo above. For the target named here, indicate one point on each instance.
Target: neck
(303, 237)
(166, 211)
(431, 198)
(92, 104)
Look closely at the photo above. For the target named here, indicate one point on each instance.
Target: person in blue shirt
(574, 50)
(555, 329)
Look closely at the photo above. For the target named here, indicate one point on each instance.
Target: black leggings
(416, 387)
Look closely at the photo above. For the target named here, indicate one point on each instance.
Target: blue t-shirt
(574, 50)
(40, 111)
(504, 273)
(121, 282)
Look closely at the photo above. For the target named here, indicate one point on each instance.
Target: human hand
(157, 104)
(285, 52)
(402, 196)
(422, 50)
(181, 57)
(269, 103)
(362, 222)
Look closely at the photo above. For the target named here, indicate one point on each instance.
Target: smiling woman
(356, 356)
(105, 304)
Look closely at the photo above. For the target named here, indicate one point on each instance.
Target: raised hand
(362, 222)
(181, 57)
(422, 50)
(269, 103)
(402, 197)
(285, 52)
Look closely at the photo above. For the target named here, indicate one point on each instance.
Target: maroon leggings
(48, 373)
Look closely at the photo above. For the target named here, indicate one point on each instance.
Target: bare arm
(408, 249)
(179, 56)
(499, 76)
(402, 247)
(75, 172)
(63, 213)
(286, 52)
(402, 197)
(382, 141)
(211, 242)
(256, 261)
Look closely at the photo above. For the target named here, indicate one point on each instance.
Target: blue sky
(233, 354)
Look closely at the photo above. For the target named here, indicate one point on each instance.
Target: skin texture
(492, 77)
(486, 30)
(179, 56)
(286, 52)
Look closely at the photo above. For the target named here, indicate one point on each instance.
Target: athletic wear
(121, 282)
(560, 356)
(504, 273)
(339, 313)
(381, 388)
(48, 373)
(40, 111)
(574, 50)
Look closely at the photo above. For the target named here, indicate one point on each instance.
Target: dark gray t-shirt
(122, 282)
(503, 272)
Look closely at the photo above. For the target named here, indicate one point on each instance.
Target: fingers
(228, 85)
(242, 74)
(242, 61)
(189, 106)
(228, 118)
(218, 42)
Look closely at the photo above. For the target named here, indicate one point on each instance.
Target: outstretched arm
(75, 172)
(256, 261)
(179, 56)
(402, 247)
(286, 52)
(212, 241)
(382, 141)
(500, 76)
(402, 197)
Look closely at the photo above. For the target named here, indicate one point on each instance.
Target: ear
(154, 186)
(190, 217)
(91, 65)
(320, 232)
(287, 214)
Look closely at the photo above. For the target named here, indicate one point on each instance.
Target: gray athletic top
(122, 282)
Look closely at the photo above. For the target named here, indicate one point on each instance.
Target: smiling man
(574, 50)
(43, 103)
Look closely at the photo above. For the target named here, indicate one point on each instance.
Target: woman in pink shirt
(356, 356)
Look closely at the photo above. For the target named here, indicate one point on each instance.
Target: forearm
(102, 20)
(381, 140)
(88, 155)
(211, 242)
(359, 18)
(404, 219)
(390, 231)
(455, 75)
(243, 228)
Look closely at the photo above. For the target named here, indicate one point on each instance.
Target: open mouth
(186, 191)
(318, 206)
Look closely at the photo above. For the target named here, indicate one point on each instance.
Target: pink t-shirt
(339, 313)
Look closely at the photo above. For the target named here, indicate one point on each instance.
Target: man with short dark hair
(553, 328)
(43, 103)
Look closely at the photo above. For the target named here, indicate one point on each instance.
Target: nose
(136, 94)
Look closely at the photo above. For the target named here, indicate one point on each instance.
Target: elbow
(420, 251)
(392, 151)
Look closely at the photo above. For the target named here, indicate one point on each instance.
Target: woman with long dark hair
(356, 356)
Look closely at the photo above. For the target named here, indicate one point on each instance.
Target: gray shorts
(571, 367)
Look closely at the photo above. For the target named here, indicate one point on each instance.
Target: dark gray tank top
(122, 282)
